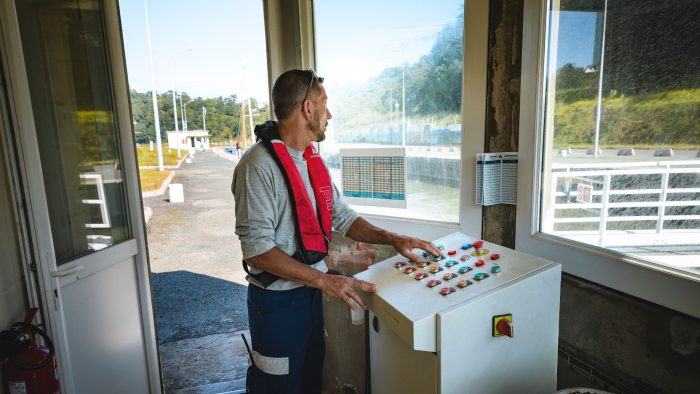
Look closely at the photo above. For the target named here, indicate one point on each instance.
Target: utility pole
(243, 137)
(204, 118)
(250, 117)
(600, 84)
(156, 117)
(403, 105)
(177, 128)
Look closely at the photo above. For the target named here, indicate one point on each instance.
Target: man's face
(321, 115)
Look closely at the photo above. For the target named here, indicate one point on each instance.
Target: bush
(652, 119)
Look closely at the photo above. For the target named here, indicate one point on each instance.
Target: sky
(213, 48)
(576, 38)
(357, 40)
(217, 47)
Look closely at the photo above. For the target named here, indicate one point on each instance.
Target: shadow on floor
(200, 320)
(190, 305)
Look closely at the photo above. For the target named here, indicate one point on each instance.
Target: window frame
(661, 285)
(474, 84)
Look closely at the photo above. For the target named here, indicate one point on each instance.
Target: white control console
(481, 318)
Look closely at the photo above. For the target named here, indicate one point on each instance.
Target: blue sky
(576, 38)
(217, 47)
(214, 48)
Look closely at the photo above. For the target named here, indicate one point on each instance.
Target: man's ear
(307, 105)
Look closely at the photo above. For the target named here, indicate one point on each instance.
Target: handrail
(566, 177)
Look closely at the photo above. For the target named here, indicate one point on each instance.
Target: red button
(495, 256)
(452, 252)
(479, 263)
(478, 244)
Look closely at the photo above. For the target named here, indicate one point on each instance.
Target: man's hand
(345, 288)
(404, 245)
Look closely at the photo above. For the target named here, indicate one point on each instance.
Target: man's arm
(276, 262)
(363, 231)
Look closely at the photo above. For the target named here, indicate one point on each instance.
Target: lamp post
(403, 105)
(185, 115)
(600, 84)
(156, 117)
(204, 118)
(174, 93)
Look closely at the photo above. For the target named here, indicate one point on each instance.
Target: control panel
(412, 293)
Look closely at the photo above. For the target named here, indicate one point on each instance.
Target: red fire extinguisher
(29, 367)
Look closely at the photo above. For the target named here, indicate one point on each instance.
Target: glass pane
(69, 81)
(395, 92)
(622, 167)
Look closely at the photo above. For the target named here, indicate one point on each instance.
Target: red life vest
(313, 227)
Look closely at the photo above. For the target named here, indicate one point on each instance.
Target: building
(192, 139)
(623, 322)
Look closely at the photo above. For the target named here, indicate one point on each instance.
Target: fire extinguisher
(29, 367)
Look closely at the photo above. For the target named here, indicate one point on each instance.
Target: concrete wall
(13, 299)
(623, 344)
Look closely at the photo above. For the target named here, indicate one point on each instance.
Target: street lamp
(156, 117)
(184, 113)
(174, 93)
(204, 118)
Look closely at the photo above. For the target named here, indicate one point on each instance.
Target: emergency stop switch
(503, 325)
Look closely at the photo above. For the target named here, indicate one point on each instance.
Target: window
(71, 92)
(395, 93)
(610, 100)
(621, 130)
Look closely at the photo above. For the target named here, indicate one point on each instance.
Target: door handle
(62, 273)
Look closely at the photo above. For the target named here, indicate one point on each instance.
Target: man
(286, 205)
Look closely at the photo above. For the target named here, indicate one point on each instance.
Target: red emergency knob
(504, 327)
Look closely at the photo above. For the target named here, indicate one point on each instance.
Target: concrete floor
(198, 284)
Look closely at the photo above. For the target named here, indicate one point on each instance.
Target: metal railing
(636, 195)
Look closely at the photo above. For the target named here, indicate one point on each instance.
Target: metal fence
(622, 204)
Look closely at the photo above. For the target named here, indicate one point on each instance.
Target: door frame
(37, 235)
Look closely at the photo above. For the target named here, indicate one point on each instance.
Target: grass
(147, 158)
(152, 179)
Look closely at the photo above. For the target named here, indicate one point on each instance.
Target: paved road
(198, 284)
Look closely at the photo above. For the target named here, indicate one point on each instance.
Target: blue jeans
(286, 329)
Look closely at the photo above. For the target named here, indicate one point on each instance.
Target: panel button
(480, 276)
(433, 283)
(463, 283)
(479, 248)
(495, 269)
(449, 276)
(420, 276)
(479, 263)
(464, 269)
(464, 257)
(450, 263)
(435, 269)
(495, 256)
(408, 270)
(447, 290)
(399, 264)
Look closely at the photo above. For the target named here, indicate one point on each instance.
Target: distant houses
(191, 139)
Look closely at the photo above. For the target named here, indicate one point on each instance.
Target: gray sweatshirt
(264, 215)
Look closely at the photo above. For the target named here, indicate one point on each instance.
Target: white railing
(654, 192)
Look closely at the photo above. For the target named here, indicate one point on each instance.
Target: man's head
(302, 92)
